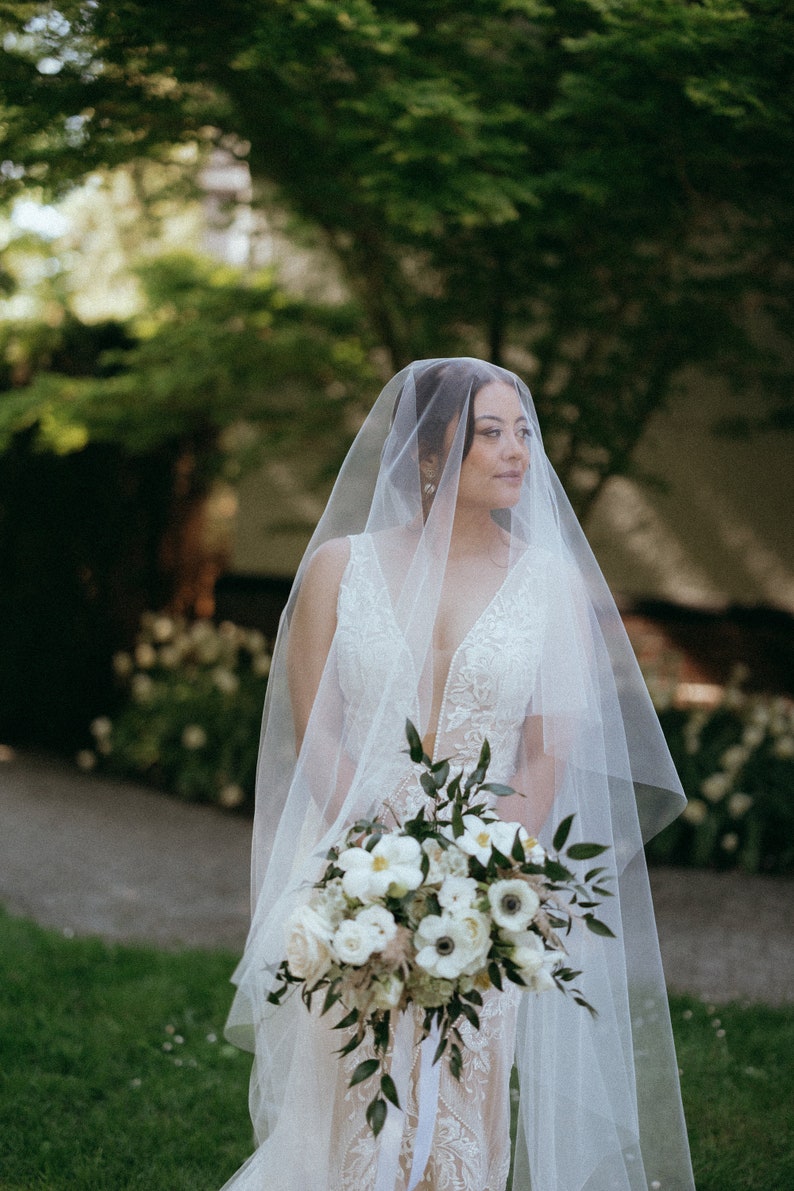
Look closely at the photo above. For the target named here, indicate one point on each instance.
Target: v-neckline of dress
(463, 641)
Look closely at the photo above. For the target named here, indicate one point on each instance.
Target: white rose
(308, 944)
(514, 904)
(381, 921)
(457, 893)
(392, 866)
(354, 941)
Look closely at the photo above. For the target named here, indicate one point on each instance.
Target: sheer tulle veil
(599, 1103)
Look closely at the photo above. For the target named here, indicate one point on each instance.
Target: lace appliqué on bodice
(488, 687)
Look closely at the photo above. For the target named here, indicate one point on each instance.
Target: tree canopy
(597, 192)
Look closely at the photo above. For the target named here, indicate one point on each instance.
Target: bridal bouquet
(451, 904)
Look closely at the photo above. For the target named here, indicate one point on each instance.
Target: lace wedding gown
(485, 696)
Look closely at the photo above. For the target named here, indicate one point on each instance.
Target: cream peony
(514, 904)
(393, 866)
(309, 952)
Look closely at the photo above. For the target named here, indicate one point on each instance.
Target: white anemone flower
(444, 945)
(392, 866)
(514, 904)
(477, 838)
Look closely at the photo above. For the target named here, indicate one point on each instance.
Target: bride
(449, 582)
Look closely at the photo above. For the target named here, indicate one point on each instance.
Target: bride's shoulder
(326, 567)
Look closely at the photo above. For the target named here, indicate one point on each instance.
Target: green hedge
(193, 695)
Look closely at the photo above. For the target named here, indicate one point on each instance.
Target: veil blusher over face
(599, 1104)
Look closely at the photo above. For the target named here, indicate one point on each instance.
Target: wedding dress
(543, 670)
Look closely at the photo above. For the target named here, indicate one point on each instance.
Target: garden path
(92, 856)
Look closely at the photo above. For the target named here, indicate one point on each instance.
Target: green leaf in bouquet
(585, 851)
(485, 757)
(380, 1032)
(470, 1014)
(458, 827)
(562, 833)
(499, 789)
(364, 1071)
(331, 997)
(428, 784)
(495, 975)
(440, 772)
(594, 872)
(442, 1046)
(517, 850)
(473, 996)
(389, 1090)
(351, 1045)
(499, 858)
(414, 743)
(349, 1019)
(556, 871)
(455, 1061)
(598, 927)
(556, 921)
(580, 1000)
(566, 974)
(376, 1115)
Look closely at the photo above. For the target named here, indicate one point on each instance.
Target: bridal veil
(599, 1104)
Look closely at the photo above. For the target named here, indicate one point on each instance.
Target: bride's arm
(311, 635)
(538, 776)
(312, 629)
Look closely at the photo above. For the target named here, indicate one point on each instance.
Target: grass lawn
(114, 1074)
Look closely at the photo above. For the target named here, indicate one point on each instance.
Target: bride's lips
(509, 475)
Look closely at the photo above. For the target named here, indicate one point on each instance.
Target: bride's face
(492, 473)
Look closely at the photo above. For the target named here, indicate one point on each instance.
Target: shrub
(190, 720)
(736, 762)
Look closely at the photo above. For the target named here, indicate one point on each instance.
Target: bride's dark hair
(441, 390)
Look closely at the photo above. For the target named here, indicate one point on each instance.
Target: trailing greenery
(115, 1074)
